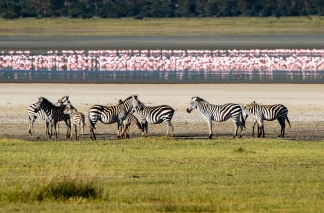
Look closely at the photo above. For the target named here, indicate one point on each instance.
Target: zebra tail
(288, 121)
(243, 121)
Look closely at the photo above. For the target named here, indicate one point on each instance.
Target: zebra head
(136, 103)
(38, 104)
(248, 109)
(62, 101)
(193, 104)
(43, 104)
(68, 109)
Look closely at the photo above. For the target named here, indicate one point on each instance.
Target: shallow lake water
(14, 76)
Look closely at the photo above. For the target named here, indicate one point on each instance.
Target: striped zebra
(219, 113)
(111, 114)
(34, 113)
(129, 120)
(155, 115)
(77, 120)
(267, 113)
(54, 114)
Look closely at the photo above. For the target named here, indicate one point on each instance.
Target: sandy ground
(304, 102)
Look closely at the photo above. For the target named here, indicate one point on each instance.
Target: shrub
(66, 188)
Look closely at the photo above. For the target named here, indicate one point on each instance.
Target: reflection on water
(154, 77)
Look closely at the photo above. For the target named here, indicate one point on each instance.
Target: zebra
(54, 114)
(155, 115)
(34, 113)
(219, 113)
(111, 114)
(77, 120)
(269, 113)
(130, 119)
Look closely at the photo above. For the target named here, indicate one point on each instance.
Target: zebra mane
(199, 99)
(119, 101)
(46, 100)
(252, 104)
(130, 97)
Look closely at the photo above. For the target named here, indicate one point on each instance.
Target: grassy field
(158, 174)
(163, 27)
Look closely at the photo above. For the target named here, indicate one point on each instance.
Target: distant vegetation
(12, 9)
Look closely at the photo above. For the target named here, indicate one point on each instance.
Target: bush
(66, 188)
(138, 17)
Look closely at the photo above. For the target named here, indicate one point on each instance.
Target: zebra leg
(126, 131)
(50, 129)
(68, 127)
(210, 136)
(82, 129)
(146, 128)
(235, 129)
(262, 133)
(237, 125)
(76, 132)
(71, 132)
(170, 126)
(283, 126)
(119, 129)
(92, 135)
(255, 122)
(242, 128)
(55, 130)
(31, 125)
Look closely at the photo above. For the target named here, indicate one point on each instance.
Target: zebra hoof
(210, 136)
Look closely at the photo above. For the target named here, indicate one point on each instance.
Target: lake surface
(20, 76)
(40, 45)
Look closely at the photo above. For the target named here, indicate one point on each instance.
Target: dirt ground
(304, 102)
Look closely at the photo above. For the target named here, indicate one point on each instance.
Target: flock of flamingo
(222, 61)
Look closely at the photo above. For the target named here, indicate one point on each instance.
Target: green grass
(163, 27)
(160, 174)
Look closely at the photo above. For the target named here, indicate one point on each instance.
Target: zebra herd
(122, 113)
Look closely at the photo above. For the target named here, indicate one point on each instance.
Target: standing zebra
(111, 114)
(219, 113)
(77, 120)
(34, 113)
(130, 119)
(269, 113)
(54, 114)
(155, 115)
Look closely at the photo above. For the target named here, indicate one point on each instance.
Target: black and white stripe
(155, 115)
(54, 114)
(219, 113)
(77, 120)
(267, 113)
(129, 120)
(33, 114)
(111, 114)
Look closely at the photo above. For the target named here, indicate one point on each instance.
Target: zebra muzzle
(188, 110)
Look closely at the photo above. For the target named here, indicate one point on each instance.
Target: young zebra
(34, 113)
(54, 114)
(219, 113)
(155, 115)
(77, 120)
(269, 113)
(130, 119)
(111, 114)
